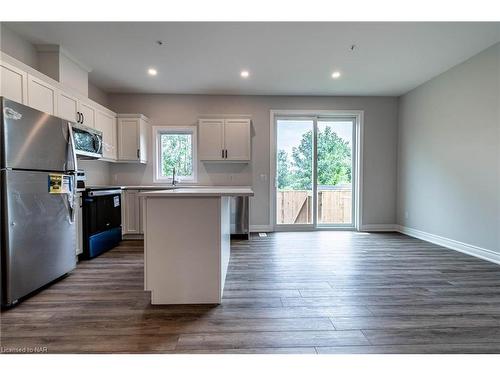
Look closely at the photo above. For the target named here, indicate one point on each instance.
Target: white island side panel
(185, 249)
(225, 239)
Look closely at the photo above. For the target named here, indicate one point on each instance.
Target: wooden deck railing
(295, 206)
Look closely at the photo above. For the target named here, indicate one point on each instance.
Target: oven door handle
(100, 193)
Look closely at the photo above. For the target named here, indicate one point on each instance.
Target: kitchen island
(187, 243)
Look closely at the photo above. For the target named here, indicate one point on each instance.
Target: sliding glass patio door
(315, 176)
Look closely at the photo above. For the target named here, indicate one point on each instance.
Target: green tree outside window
(176, 151)
(334, 162)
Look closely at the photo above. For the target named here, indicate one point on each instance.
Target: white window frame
(157, 132)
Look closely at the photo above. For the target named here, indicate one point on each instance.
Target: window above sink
(175, 147)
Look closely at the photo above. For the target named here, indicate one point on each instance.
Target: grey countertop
(212, 191)
(161, 187)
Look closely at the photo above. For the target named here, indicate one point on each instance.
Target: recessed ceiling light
(152, 71)
(244, 74)
(335, 75)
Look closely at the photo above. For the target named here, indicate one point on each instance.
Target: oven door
(88, 142)
(102, 212)
(101, 222)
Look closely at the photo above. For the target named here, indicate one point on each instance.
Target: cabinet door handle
(78, 117)
(226, 154)
(222, 154)
(138, 153)
(83, 118)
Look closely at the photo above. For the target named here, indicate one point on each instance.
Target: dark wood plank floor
(309, 292)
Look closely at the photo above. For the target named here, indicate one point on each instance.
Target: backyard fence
(295, 206)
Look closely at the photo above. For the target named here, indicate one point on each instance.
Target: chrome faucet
(174, 181)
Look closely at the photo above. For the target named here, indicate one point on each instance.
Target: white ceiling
(282, 58)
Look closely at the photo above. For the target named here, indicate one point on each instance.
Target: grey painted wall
(449, 158)
(380, 143)
(14, 45)
(97, 95)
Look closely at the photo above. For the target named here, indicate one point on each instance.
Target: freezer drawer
(39, 238)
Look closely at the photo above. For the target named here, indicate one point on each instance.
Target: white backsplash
(97, 172)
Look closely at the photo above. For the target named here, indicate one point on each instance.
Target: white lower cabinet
(131, 212)
(79, 223)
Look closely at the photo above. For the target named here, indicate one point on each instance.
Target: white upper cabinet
(87, 114)
(224, 140)
(75, 110)
(14, 83)
(143, 140)
(133, 133)
(42, 95)
(25, 85)
(67, 107)
(237, 140)
(126, 141)
(107, 124)
(211, 139)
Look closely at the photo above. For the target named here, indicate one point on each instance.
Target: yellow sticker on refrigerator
(60, 184)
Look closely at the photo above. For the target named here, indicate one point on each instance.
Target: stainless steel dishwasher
(239, 218)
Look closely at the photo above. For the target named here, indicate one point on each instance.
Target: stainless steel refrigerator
(38, 236)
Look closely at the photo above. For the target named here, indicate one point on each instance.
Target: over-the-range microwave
(87, 141)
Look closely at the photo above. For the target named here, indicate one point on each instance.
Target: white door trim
(359, 116)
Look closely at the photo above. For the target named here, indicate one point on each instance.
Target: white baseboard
(379, 228)
(260, 228)
(365, 228)
(462, 247)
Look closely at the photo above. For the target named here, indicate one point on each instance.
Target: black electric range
(102, 220)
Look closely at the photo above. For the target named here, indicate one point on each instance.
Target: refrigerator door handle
(71, 201)
(72, 144)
